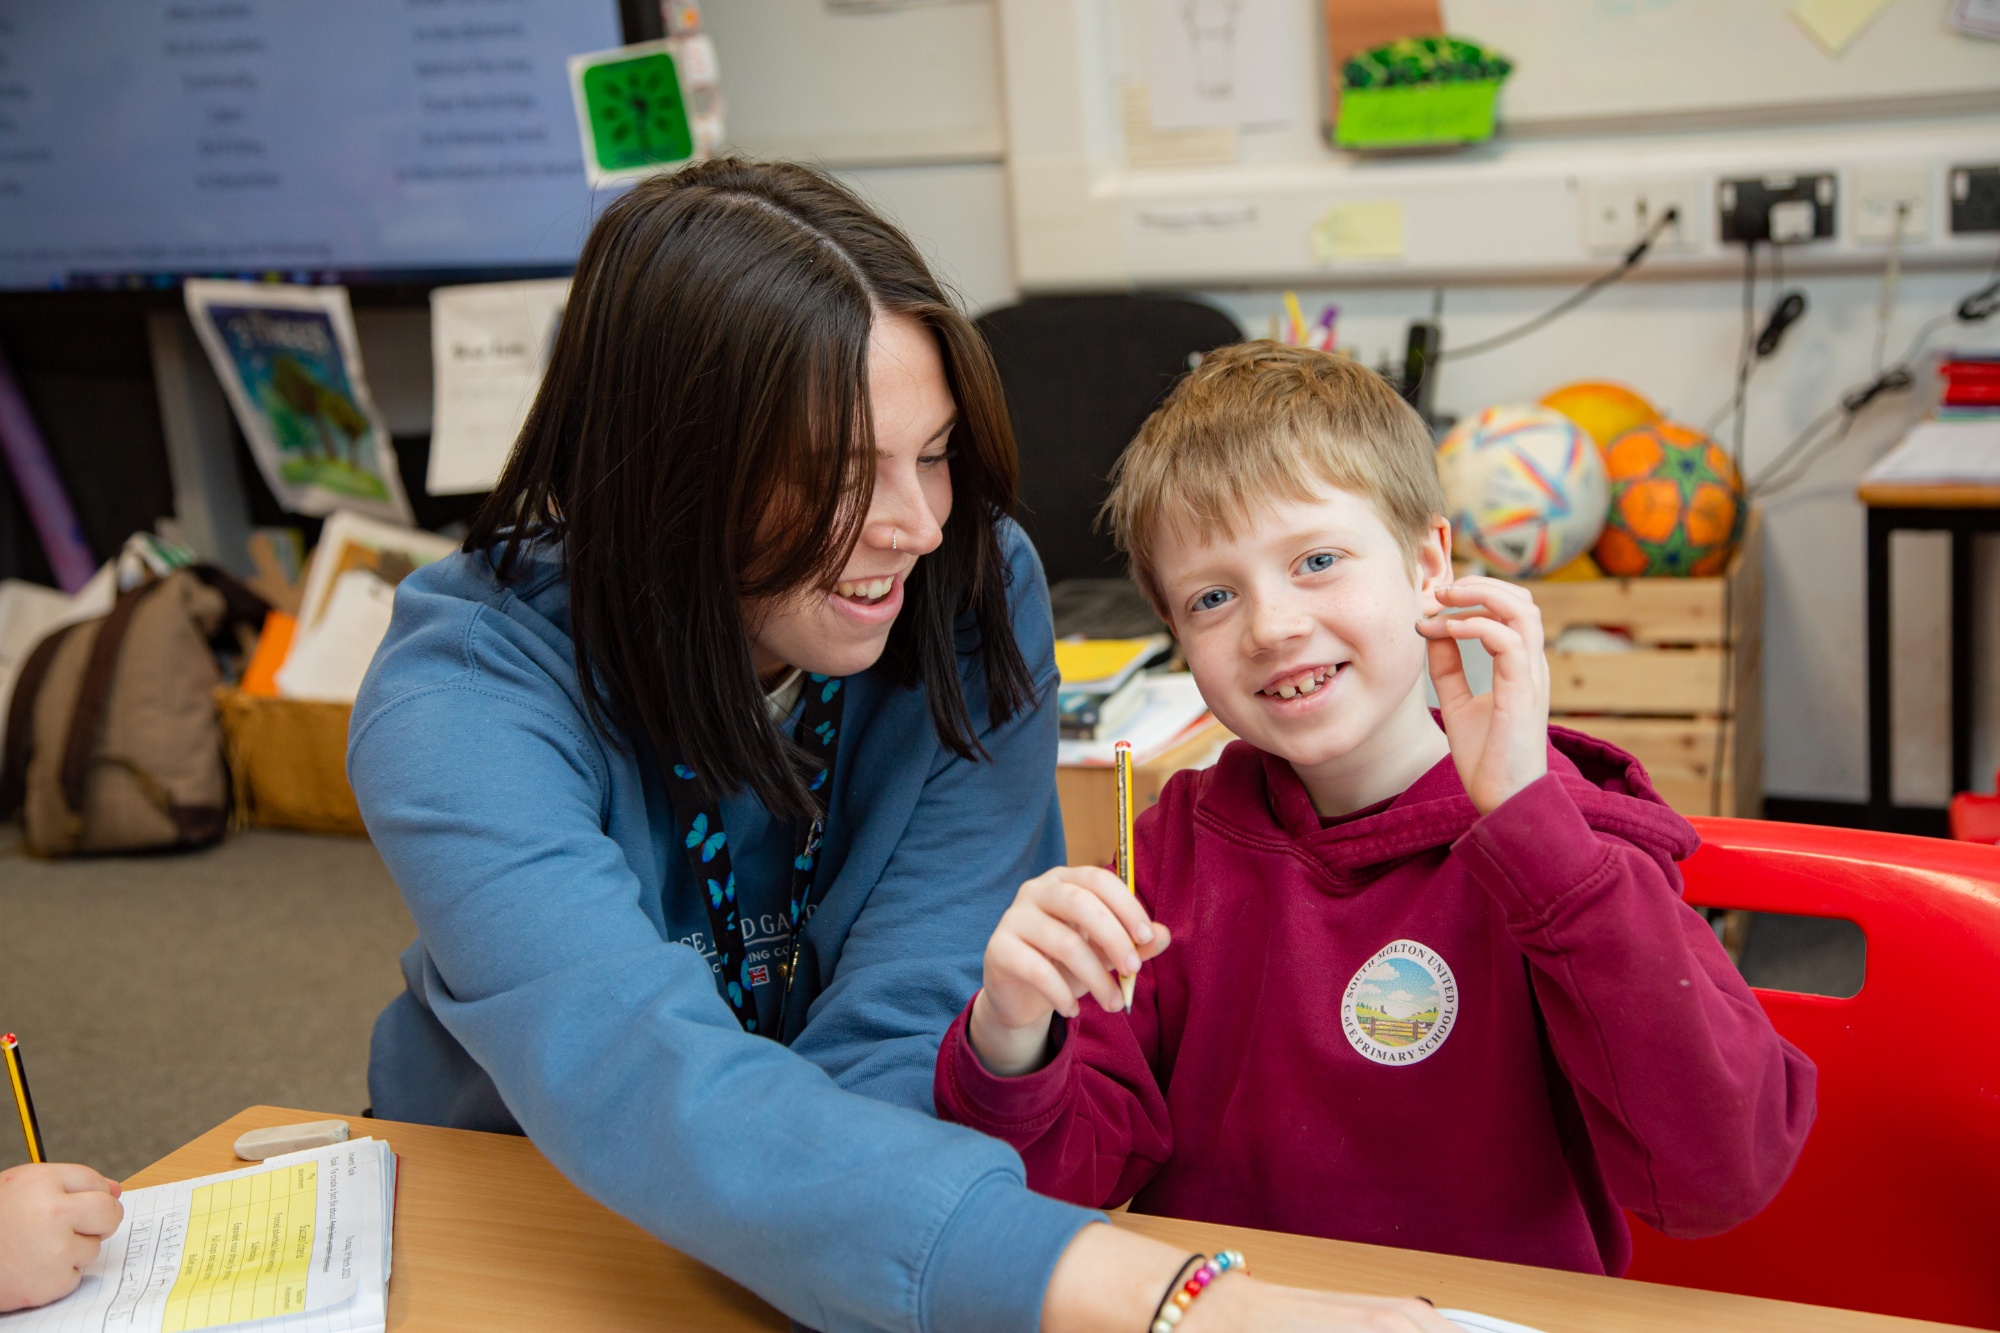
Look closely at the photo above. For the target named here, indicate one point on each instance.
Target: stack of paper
(330, 656)
(1173, 708)
(1102, 665)
(345, 605)
(1942, 453)
(299, 1243)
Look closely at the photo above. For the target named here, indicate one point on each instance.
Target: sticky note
(1368, 229)
(1835, 23)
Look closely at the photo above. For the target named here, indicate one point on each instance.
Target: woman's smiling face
(840, 630)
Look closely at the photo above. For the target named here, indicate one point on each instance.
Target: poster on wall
(291, 366)
(1212, 64)
(490, 343)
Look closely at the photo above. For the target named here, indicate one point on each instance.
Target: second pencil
(1122, 764)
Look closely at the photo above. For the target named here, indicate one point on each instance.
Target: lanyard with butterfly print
(817, 733)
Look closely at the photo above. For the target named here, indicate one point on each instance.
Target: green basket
(1414, 116)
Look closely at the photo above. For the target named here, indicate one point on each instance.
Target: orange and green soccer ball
(1604, 410)
(1676, 505)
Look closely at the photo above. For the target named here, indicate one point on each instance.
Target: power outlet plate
(1777, 209)
(1973, 194)
(1617, 214)
(1885, 202)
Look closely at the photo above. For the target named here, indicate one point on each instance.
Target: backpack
(112, 739)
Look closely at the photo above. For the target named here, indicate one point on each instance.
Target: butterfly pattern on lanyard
(699, 815)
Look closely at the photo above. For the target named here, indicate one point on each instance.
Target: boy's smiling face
(1301, 632)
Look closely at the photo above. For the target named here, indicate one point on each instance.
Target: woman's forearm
(1111, 1281)
(1108, 1281)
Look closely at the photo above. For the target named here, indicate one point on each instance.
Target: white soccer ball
(1524, 487)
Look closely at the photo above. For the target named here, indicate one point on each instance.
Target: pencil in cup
(1121, 762)
(17, 1078)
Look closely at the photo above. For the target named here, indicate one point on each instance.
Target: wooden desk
(490, 1239)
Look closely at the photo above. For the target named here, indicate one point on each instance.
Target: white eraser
(281, 1139)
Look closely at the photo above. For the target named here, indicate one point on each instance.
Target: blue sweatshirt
(549, 989)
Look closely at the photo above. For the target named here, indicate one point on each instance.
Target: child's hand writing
(53, 1216)
(1499, 741)
(1067, 933)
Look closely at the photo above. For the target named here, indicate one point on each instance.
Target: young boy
(1431, 988)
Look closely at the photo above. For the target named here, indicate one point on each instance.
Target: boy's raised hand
(53, 1216)
(1068, 933)
(1499, 741)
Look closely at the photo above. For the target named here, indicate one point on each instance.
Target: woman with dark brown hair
(707, 767)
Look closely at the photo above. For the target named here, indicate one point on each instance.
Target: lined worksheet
(300, 1243)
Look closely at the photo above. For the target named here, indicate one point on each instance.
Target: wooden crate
(1688, 703)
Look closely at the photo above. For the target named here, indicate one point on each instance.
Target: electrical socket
(1618, 214)
(1975, 199)
(1779, 209)
(1876, 193)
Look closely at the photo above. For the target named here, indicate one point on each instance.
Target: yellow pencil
(31, 1130)
(1122, 763)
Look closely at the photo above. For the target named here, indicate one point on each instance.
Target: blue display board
(145, 140)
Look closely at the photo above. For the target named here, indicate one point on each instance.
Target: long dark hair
(703, 437)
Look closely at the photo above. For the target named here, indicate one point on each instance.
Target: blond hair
(1257, 423)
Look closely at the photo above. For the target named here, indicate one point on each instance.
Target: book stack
(1103, 686)
(1971, 386)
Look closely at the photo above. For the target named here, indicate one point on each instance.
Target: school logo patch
(1400, 1006)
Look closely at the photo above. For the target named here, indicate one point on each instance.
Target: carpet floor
(156, 996)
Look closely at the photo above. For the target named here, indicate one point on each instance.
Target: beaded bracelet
(1173, 1285)
(1177, 1303)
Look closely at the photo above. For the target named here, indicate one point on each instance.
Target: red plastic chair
(1976, 818)
(1895, 1204)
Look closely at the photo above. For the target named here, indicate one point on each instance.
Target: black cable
(1807, 446)
(1741, 402)
(1808, 449)
(1769, 485)
(1800, 441)
(1568, 303)
(1747, 358)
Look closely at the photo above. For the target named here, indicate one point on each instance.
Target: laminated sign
(631, 111)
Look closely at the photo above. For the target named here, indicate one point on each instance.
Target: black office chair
(1081, 374)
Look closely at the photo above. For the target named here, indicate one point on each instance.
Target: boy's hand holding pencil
(53, 1217)
(1068, 933)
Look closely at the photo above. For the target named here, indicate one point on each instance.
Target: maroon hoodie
(1416, 1027)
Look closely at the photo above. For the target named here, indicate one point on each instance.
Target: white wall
(957, 214)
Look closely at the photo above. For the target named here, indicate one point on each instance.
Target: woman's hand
(1110, 1279)
(53, 1216)
(1499, 741)
(1241, 1302)
(1066, 935)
